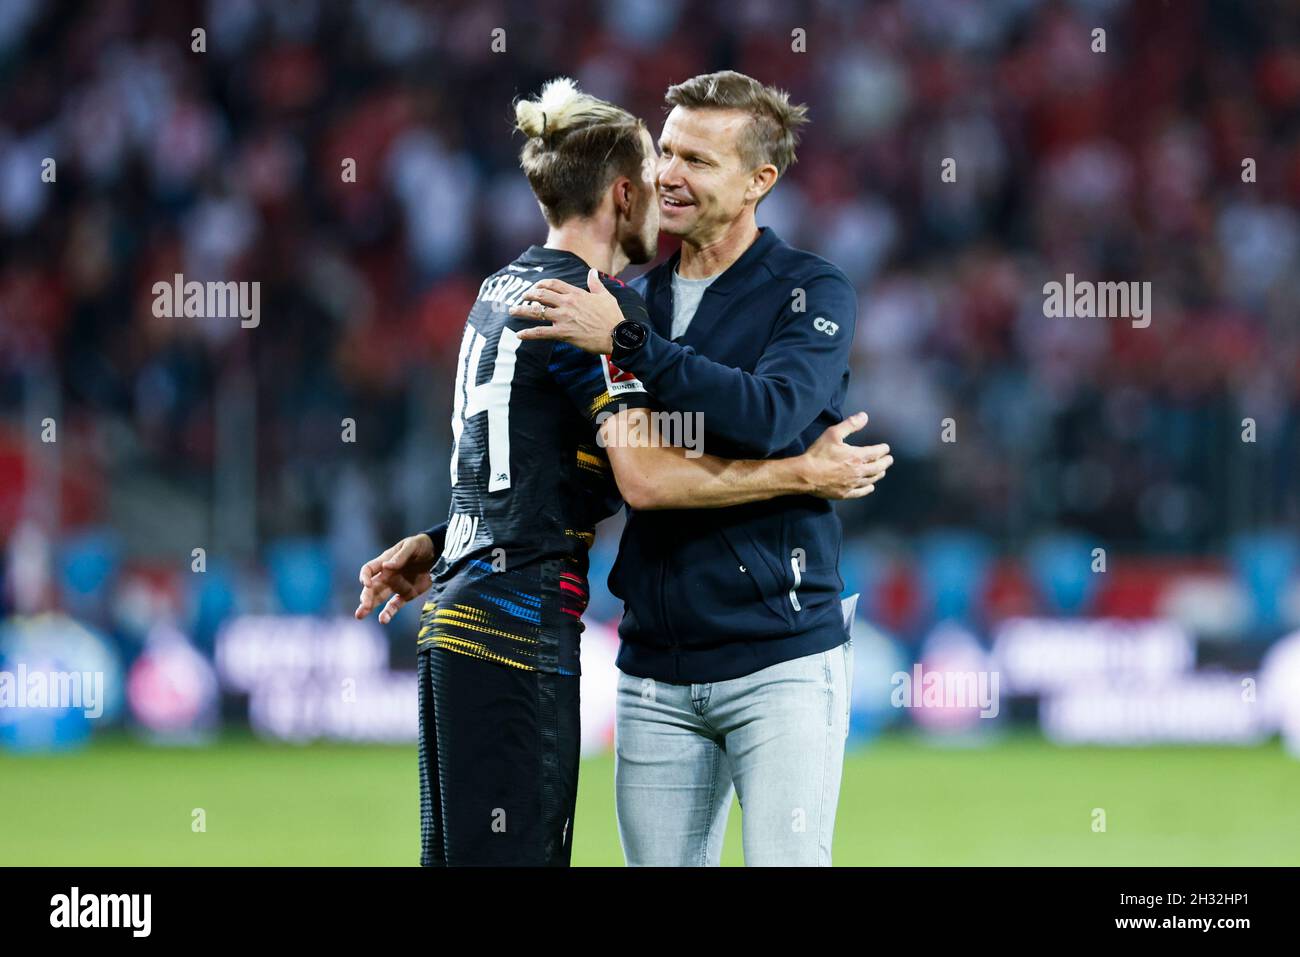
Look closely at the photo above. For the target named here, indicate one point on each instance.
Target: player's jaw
(639, 235)
(641, 245)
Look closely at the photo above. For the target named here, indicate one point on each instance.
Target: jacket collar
(660, 288)
(734, 274)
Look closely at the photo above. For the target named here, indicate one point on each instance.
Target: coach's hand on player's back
(837, 470)
(585, 318)
(398, 575)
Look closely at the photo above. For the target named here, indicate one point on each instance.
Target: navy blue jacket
(713, 594)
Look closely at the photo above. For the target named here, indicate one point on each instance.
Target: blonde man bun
(577, 143)
(562, 107)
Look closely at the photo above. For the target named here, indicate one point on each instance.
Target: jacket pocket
(811, 564)
(773, 584)
(720, 588)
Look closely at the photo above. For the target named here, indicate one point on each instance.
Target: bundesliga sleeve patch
(618, 382)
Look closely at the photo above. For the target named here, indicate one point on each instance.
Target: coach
(735, 660)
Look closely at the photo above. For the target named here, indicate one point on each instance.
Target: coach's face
(703, 182)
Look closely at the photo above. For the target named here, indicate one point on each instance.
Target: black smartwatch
(628, 336)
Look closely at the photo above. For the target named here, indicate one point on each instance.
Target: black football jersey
(529, 481)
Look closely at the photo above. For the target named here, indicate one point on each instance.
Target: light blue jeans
(776, 735)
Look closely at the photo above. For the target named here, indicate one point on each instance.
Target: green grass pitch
(1021, 801)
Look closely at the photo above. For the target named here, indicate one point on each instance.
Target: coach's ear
(760, 182)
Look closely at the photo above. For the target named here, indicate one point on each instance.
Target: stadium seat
(1265, 564)
(300, 572)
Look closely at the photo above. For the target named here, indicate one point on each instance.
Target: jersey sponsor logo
(619, 381)
(822, 324)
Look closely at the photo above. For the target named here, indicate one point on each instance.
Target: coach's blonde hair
(577, 144)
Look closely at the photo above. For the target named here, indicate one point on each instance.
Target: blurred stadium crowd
(1125, 165)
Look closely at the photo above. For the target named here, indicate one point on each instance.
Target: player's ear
(624, 196)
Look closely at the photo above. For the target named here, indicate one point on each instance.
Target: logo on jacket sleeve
(618, 381)
(822, 324)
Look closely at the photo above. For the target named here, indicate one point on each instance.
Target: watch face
(629, 335)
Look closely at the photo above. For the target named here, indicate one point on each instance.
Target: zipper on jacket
(663, 608)
(798, 580)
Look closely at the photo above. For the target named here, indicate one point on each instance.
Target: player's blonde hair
(577, 144)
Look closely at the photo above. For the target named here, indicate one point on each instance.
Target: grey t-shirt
(687, 294)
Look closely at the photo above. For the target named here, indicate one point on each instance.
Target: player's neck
(582, 239)
(712, 255)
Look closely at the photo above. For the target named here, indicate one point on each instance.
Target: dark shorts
(498, 763)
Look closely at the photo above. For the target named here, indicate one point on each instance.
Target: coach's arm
(762, 411)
